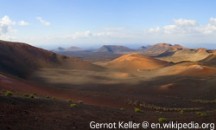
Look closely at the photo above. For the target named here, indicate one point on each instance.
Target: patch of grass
(162, 120)
(8, 93)
(137, 110)
(72, 105)
(160, 108)
(201, 114)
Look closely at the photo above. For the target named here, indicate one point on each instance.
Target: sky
(91, 23)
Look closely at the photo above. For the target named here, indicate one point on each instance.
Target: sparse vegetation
(137, 110)
(72, 105)
(201, 114)
(159, 108)
(204, 101)
(162, 120)
(8, 93)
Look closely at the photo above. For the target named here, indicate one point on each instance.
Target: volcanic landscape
(67, 88)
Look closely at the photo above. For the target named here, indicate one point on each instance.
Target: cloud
(178, 31)
(210, 28)
(87, 34)
(169, 28)
(89, 37)
(185, 22)
(184, 31)
(43, 22)
(185, 27)
(212, 21)
(84, 34)
(107, 32)
(6, 21)
(154, 30)
(23, 23)
(6, 25)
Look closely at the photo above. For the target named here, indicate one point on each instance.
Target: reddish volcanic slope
(21, 59)
(136, 61)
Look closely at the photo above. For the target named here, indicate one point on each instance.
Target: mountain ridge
(22, 59)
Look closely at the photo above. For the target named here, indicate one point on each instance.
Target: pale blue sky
(51, 23)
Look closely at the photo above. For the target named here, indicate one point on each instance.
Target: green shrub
(73, 105)
(8, 93)
(162, 120)
(201, 114)
(137, 110)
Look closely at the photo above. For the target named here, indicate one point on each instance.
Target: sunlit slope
(136, 62)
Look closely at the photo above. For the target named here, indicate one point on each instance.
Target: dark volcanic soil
(19, 113)
(50, 108)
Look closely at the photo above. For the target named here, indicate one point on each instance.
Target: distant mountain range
(164, 51)
(155, 50)
(72, 48)
(105, 52)
(115, 49)
(22, 59)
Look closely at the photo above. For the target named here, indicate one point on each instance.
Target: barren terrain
(67, 93)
